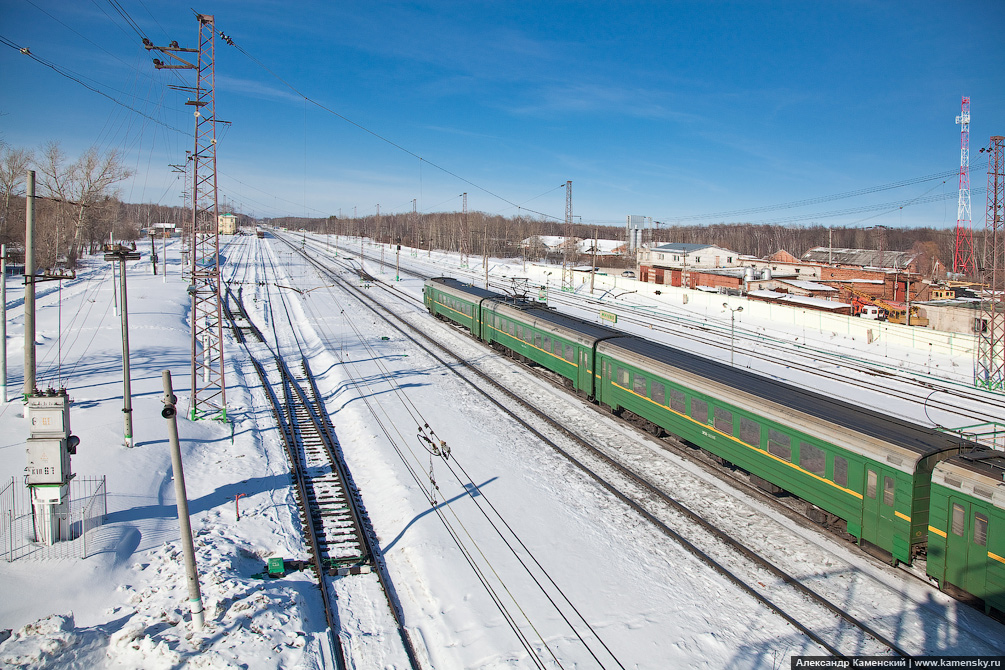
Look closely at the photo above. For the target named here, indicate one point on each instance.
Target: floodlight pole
(170, 413)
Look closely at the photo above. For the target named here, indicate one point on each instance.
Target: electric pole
(990, 372)
(119, 253)
(567, 275)
(209, 393)
(465, 231)
(29, 286)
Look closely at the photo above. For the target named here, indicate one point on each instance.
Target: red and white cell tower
(963, 250)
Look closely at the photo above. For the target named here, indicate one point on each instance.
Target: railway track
(834, 629)
(341, 540)
(930, 392)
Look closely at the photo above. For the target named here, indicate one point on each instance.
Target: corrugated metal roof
(807, 285)
(860, 257)
(687, 247)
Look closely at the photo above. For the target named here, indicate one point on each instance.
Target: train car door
(878, 506)
(585, 373)
(967, 546)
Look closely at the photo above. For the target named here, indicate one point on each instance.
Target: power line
(69, 74)
(889, 206)
(817, 200)
(380, 137)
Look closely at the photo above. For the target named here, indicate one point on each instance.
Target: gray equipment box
(50, 415)
(48, 461)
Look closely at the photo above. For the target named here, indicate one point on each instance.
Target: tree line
(504, 236)
(78, 205)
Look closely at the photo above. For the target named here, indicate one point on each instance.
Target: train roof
(463, 287)
(917, 439)
(979, 472)
(559, 322)
(551, 319)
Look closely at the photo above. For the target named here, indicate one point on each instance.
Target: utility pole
(122, 254)
(153, 252)
(181, 496)
(567, 275)
(485, 251)
(397, 262)
(3, 325)
(209, 392)
(465, 231)
(593, 263)
(990, 369)
(29, 287)
(115, 290)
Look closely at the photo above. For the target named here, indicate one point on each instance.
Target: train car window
(547, 344)
(980, 529)
(570, 355)
(513, 328)
(639, 384)
(622, 376)
(659, 393)
(537, 340)
(750, 431)
(870, 484)
(723, 420)
(889, 489)
(959, 517)
(779, 444)
(840, 471)
(677, 402)
(699, 410)
(811, 458)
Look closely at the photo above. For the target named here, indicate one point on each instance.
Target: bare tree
(79, 186)
(13, 169)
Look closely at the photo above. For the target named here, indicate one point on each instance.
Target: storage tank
(766, 274)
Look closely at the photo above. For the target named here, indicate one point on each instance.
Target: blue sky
(675, 110)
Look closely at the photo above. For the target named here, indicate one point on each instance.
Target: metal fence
(87, 509)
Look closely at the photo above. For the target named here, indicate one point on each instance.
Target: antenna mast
(963, 249)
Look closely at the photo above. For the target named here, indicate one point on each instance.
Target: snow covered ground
(647, 602)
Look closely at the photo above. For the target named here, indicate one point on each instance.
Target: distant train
(260, 233)
(909, 490)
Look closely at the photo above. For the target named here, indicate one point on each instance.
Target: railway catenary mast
(963, 249)
(568, 256)
(209, 395)
(989, 372)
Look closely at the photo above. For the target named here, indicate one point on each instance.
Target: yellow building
(228, 224)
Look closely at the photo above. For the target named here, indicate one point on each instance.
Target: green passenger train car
(457, 302)
(554, 341)
(871, 471)
(966, 546)
(867, 469)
